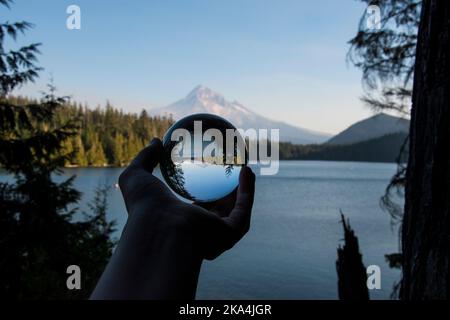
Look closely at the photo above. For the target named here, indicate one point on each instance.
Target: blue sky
(284, 59)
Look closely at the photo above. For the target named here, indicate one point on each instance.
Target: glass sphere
(203, 155)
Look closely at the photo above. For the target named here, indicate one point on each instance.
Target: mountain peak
(203, 93)
(204, 100)
(200, 88)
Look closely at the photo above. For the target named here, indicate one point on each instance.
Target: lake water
(290, 250)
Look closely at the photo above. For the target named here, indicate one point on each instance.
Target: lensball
(202, 158)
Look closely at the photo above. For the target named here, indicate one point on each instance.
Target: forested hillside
(110, 137)
(383, 149)
(107, 136)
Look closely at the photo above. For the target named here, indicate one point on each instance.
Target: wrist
(155, 260)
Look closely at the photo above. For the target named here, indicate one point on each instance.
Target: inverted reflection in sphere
(203, 155)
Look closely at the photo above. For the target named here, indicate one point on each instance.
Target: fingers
(148, 158)
(239, 218)
(221, 207)
(137, 180)
(237, 223)
(220, 232)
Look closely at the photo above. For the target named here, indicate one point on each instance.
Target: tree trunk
(352, 277)
(426, 225)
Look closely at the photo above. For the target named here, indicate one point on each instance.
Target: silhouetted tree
(38, 237)
(386, 57)
(352, 277)
(426, 223)
(173, 172)
(391, 58)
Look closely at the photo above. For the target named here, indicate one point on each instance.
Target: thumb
(239, 217)
(149, 157)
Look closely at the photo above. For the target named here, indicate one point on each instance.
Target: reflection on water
(208, 182)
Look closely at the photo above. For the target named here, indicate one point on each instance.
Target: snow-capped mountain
(205, 100)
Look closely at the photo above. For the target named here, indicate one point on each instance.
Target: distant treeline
(110, 137)
(382, 149)
(106, 136)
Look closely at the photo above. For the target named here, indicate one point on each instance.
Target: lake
(290, 250)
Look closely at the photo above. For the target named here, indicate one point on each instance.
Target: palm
(216, 225)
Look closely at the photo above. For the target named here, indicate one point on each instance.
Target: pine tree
(79, 158)
(95, 155)
(133, 146)
(118, 150)
(38, 237)
(69, 150)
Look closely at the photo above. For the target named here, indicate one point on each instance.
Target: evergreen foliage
(39, 237)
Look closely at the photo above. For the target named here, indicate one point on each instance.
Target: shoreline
(287, 160)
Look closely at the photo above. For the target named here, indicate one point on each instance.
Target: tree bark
(426, 224)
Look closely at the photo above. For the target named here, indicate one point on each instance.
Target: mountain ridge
(204, 100)
(373, 127)
(386, 148)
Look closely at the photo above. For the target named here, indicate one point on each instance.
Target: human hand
(164, 241)
(212, 227)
